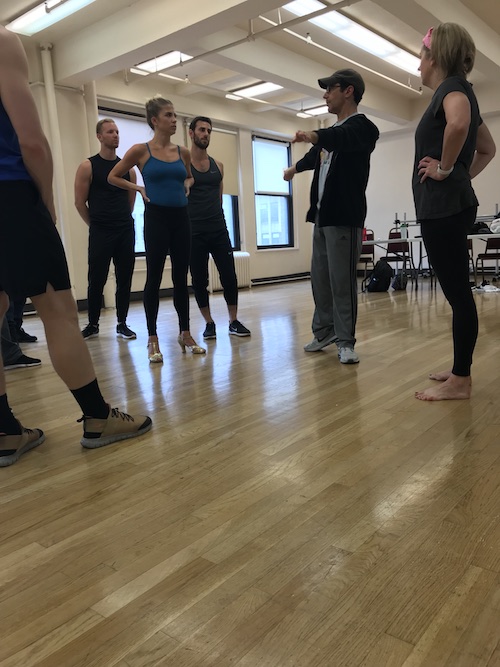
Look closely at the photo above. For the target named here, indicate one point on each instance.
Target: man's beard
(200, 143)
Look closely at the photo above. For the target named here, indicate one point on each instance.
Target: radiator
(242, 266)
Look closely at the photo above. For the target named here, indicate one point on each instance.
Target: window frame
(288, 197)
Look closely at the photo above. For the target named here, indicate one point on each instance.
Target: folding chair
(492, 251)
(368, 252)
(398, 252)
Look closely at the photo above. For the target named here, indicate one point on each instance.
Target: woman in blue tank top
(166, 170)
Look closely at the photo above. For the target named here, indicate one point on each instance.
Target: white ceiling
(234, 44)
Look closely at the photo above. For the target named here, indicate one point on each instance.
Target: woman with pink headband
(452, 146)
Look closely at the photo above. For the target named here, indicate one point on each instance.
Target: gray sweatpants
(335, 256)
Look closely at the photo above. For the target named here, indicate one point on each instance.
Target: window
(224, 148)
(273, 210)
(230, 207)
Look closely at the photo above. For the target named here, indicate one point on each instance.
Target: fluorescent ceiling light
(165, 61)
(230, 96)
(303, 114)
(317, 111)
(46, 14)
(355, 34)
(169, 76)
(143, 72)
(258, 89)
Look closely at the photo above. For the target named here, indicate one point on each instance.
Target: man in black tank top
(107, 210)
(209, 231)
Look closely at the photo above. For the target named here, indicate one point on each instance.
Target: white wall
(389, 188)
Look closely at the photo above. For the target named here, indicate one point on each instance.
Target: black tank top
(108, 205)
(204, 204)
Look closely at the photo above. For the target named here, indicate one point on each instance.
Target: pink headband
(427, 39)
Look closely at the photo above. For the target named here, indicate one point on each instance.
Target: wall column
(90, 100)
(61, 202)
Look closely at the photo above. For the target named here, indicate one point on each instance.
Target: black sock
(91, 401)
(8, 423)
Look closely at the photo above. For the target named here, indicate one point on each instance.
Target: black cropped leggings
(166, 231)
(446, 243)
(218, 245)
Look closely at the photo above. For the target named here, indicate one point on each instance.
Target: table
(382, 243)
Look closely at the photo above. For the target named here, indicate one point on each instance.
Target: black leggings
(106, 245)
(166, 231)
(446, 243)
(218, 245)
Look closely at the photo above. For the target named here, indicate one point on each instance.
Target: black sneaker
(209, 331)
(22, 362)
(90, 331)
(236, 328)
(123, 331)
(23, 337)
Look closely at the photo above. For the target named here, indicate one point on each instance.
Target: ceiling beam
(144, 30)
(267, 61)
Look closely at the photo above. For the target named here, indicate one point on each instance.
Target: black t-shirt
(109, 206)
(440, 199)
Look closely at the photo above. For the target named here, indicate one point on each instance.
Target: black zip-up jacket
(344, 200)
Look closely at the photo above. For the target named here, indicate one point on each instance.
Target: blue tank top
(11, 162)
(164, 181)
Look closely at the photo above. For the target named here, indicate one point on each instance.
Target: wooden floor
(285, 510)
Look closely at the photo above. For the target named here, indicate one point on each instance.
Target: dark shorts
(31, 252)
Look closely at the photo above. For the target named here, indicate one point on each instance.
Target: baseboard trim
(280, 279)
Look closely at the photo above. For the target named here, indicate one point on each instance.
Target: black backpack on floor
(399, 281)
(380, 278)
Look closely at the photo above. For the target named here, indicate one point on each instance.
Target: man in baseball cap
(345, 77)
(340, 159)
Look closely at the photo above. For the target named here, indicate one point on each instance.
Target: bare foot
(453, 389)
(441, 376)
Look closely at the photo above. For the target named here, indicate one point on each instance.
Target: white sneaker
(348, 356)
(316, 345)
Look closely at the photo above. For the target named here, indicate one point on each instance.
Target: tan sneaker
(12, 447)
(118, 426)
